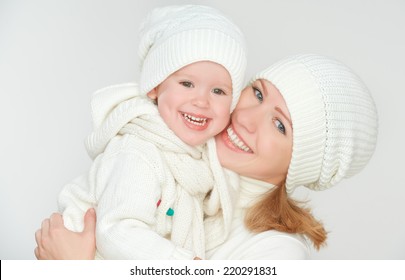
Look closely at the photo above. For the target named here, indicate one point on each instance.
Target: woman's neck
(251, 191)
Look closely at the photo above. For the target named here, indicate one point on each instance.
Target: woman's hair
(279, 212)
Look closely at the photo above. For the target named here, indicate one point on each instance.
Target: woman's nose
(247, 118)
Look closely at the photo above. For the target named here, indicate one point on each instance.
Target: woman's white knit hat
(334, 119)
(175, 36)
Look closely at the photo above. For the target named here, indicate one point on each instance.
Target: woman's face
(258, 142)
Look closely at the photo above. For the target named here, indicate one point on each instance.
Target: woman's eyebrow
(263, 85)
(278, 109)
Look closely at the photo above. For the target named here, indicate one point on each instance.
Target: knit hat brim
(191, 46)
(307, 112)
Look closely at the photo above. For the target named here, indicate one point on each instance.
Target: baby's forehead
(205, 69)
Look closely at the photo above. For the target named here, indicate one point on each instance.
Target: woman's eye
(258, 94)
(187, 84)
(280, 126)
(218, 91)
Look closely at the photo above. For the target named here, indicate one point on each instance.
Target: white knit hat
(334, 119)
(175, 36)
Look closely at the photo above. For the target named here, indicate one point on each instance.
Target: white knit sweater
(138, 162)
(242, 244)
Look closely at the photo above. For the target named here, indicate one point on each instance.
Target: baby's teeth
(195, 120)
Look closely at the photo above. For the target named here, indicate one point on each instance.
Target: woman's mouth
(233, 139)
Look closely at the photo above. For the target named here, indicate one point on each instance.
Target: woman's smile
(234, 141)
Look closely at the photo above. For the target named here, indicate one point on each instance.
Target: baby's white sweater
(138, 163)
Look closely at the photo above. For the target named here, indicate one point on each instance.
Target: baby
(154, 156)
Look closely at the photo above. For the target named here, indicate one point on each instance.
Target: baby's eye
(258, 94)
(187, 84)
(280, 126)
(218, 91)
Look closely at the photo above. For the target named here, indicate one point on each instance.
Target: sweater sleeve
(126, 211)
(76, 198)
(268, 245)
(276, 247)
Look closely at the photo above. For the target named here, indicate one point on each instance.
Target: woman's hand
(56, 242)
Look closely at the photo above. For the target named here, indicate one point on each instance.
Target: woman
(305, 121)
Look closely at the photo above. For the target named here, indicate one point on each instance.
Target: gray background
(54, 54)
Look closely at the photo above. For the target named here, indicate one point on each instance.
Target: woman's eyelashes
(279, 125)
(258, 94)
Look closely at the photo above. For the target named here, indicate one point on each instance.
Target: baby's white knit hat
(175, 36)
(334, 119)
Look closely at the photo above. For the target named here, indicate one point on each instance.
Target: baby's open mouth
(195, 120)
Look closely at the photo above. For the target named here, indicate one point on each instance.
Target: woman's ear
(152, 94)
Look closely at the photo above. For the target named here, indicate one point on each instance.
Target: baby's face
(195, 101)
